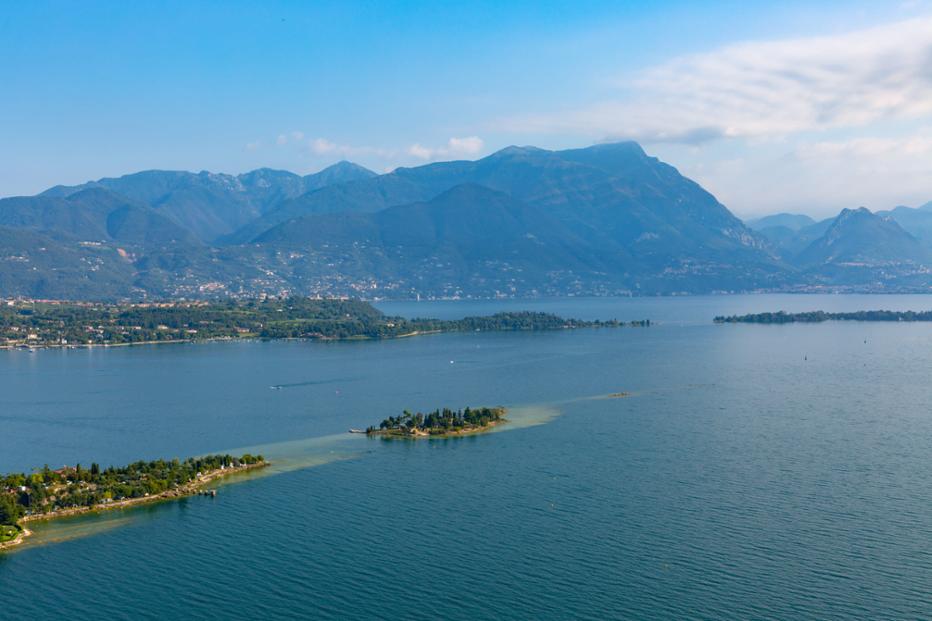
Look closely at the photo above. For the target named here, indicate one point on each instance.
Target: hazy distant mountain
(650, 196)
(210, 204)
(917, 222)
(612, 191)
(632, 222)
(36, 265)
(93, 215)
(789, 242)
(791, 234)
(607, 219)
(469, 237)
(858, 236)
(791, 221)
(863, 251)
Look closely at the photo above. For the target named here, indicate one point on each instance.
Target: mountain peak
(624, 146)
(857, 210)
(266, 173)
(861, 219)
(858, 213)
(340, 172)
(791, 221)
(863, 237)
(346, 165)
(515, 150)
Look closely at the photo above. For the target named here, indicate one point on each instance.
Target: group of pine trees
(440, 421)
(48, 490)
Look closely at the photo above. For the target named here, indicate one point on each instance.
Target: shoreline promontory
(70, 491)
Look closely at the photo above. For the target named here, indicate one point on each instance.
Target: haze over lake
(755, 471)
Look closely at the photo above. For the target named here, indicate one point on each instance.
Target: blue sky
(798, 106)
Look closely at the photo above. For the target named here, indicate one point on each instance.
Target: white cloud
(470, 145)
(387, 158)
(294, 136)
(455, 147)
(908, 147)
(252, 146)
(760, 89)
(877, 172)
(420, 152)
(820, 178)
(322, 146)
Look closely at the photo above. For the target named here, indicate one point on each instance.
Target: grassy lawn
(8, 532)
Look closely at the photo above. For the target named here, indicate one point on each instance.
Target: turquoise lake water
(755, 471)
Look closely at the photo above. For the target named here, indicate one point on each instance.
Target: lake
(756, 471)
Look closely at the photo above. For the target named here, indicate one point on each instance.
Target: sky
(805, 107)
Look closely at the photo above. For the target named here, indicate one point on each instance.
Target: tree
(10, 510)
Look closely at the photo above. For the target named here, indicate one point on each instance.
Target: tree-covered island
(49, 324)
(820, 316)
(439, 423)
(47, 493)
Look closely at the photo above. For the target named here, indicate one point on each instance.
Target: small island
(821, 316)
(439, 423)
(48, 494)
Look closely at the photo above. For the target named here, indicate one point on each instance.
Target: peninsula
(48, 494)
(28, 324)
(820, 316)
(439, 423)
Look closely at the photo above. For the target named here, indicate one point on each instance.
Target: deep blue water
(755, 472)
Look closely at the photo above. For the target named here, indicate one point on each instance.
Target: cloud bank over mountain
(788, 106)
(841, 119)
(767, 88)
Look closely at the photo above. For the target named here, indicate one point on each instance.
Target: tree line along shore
(70, 490)
(439, 423)
(30, 324)
(821, 316)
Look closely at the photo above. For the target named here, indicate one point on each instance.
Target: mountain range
(524, 221)
(211, 205)
(876, 251)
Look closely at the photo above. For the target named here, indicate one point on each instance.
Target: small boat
(357, 431)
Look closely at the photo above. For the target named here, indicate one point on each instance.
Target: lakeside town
(34, 324)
